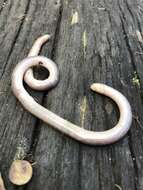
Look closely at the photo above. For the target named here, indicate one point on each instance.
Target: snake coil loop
(23, 71)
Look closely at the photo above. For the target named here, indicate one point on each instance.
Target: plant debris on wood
(20, 172)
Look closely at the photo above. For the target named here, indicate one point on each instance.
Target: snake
(23, 71)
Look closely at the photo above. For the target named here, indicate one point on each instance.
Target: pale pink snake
(23, 71)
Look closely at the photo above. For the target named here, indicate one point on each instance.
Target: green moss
(136, 80)
(83, 109)
(21, 149)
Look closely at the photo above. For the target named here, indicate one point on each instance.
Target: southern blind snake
(23, 71)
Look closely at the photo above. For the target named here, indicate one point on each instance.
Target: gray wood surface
(92, 41)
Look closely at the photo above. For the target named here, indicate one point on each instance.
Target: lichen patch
(75, 18)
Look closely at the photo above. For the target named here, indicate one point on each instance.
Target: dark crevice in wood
(15, 39)
(34, 140)
(100, 185)
(109, 43)
(134, 162)
(128, 45)
(37, 129)
(79, 167)
(57, 32)
(129, 9)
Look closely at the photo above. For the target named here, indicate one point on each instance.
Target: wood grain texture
(22, 21)
(93, 41)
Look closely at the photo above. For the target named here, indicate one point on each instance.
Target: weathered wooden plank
(96, 41)
(21, 23)
(93, 45)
